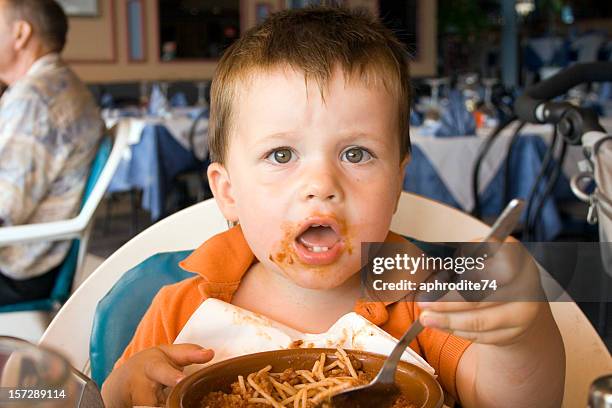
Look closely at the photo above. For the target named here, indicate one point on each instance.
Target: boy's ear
(402, 170)
(221, 187)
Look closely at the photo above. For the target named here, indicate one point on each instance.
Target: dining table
(441, 168)
(160, 147)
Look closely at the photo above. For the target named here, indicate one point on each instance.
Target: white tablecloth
(178, 122)
(454, 157)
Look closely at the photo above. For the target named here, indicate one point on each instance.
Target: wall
(98, 47)
(425, 63)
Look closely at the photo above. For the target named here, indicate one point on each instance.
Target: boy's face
(310, 179)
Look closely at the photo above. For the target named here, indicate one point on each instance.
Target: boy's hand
(506, 314)
(484, 322)
(142, 379)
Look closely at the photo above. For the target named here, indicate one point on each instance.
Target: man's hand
(143, 378)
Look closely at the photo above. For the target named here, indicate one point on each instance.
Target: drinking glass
(469, 85)
(35, 376)
(435, 85)
(144, 95)
(201, 94)
(165, 106)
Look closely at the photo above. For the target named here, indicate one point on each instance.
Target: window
(197, 29)
(401, 17)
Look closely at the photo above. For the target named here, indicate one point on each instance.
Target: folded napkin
(232, 331)
(158, 104)
(455, 119)
(178, 100)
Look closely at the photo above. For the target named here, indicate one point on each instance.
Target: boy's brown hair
(314, 41)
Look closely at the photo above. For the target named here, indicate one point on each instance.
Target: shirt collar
(43, 62)
(223, 260)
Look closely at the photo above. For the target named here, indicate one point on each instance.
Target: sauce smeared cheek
(285, 251)
(285, 254)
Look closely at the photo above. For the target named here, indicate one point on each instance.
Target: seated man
(50, 128)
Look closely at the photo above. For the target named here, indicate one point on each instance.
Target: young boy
(309, 138)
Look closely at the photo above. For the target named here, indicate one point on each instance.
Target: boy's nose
(321, 184)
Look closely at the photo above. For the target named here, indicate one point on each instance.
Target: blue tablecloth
(525, 162)
(153, 164)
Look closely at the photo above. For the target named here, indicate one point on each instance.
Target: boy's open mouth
(319, 242)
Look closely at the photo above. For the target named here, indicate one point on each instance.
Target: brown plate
(419, 386)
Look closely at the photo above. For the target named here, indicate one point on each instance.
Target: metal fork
(382, 391)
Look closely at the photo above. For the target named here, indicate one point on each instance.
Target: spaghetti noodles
(295, 388)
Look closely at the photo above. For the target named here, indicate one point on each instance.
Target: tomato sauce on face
(285, 254)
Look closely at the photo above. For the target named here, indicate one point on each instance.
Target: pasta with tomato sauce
(296, 388)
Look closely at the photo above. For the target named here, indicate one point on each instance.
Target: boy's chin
(316, 279)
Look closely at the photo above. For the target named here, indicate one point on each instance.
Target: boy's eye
(356, 155)
(282, 156)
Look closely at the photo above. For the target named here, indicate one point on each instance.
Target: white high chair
(418, 217)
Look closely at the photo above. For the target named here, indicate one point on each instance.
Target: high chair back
(70, 331)
(416, 217)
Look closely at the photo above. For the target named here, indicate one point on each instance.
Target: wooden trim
(189, 61)
(157, 27)
(113, 38)
(425, 62)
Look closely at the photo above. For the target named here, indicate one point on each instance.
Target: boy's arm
(528, 372)
(517, 356)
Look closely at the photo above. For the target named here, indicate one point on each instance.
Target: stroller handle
(529, 106)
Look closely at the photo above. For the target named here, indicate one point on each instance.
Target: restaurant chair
(194, 178)
(92, 328)
(26, 319)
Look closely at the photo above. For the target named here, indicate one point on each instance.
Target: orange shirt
(220, 264)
